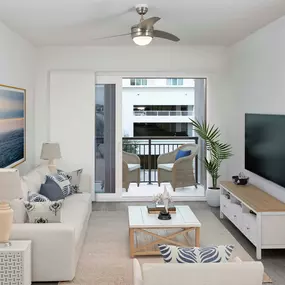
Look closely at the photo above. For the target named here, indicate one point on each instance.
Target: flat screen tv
(265, 146)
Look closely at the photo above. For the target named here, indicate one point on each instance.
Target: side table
(15, 263)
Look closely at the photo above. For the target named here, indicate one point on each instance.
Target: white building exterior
(138, 93)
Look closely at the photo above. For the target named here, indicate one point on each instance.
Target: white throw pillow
(74, 178)
(25, 190)
(44, 212)
(20, 214)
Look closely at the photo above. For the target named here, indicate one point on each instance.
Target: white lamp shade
(142, 40)
(50, 151)
(10, 184)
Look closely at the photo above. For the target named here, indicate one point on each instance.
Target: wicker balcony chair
(180, 172)
(131, 169)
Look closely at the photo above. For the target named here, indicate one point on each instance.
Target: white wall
(257, 82)
(129, 61)
(17, 68)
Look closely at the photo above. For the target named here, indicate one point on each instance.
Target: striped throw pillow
(212, 254)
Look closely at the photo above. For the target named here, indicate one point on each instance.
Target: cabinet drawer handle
(248, 228)
(235, 216)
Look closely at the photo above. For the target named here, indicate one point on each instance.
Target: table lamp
(10, 189)
(50, 152)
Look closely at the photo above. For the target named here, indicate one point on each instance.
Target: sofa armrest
(53, 250)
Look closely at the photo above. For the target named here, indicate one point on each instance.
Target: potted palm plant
(217, 152)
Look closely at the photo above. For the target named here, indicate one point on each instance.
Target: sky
(11, 110)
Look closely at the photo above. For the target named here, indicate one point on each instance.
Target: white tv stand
(258, 215)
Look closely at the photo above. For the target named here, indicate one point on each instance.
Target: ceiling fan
(143, 32)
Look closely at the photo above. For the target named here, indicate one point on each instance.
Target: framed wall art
(12, 126)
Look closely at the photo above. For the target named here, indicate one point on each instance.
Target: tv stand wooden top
(255, 198)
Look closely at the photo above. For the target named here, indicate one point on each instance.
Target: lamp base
(6, 220)
(52, 167)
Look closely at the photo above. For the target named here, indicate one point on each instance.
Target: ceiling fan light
(142, 40)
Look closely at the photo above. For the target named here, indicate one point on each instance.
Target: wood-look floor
(273, 260)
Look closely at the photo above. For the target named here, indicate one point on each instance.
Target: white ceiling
(78, 22)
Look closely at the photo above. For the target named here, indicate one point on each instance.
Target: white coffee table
(140, 221)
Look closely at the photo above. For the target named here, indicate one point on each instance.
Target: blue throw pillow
(182, 153)
(51, 190)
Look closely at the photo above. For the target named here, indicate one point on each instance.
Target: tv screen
(265, 146)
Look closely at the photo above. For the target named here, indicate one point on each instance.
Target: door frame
(116, 77)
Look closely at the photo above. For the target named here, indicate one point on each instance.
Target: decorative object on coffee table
(165, 198)
(50, 152)
(15, 263)
(10, 185)
(240, 179)
(218, 151)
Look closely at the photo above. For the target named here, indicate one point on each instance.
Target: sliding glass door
(107, 152)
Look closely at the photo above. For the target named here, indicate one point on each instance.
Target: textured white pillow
(44, 212)
(33, 180)
(20, 214)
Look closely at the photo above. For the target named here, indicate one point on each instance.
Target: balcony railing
(149, 148)
(163, 113)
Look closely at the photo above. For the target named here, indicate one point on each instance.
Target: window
(138, 82)
(174, 81)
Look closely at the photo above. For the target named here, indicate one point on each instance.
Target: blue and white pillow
(74, 178)
(212, 254)
(37, 197)
(63, 182)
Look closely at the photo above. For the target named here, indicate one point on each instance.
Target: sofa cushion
(132, 167)
(63, 182)
(44, 212)
(74, 178)
(36, 197)
(182, 153)
(166, 166)
(20, 214)
(51, 190)
(75, 212)
(212, 254)
(36, 177)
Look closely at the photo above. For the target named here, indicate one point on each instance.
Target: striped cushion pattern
(212, 254)
(63, 182)
(36, 197)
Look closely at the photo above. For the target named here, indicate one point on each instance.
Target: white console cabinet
(258, 215)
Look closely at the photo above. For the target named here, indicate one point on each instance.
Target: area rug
(105, 255)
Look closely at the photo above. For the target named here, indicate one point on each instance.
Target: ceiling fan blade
(165, 35)
(147, 23)
(115, 36)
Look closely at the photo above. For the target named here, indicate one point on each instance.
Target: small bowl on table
(240, 181)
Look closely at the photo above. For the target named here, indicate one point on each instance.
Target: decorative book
(156, 209)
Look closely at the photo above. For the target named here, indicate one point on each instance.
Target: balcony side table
(15, 263)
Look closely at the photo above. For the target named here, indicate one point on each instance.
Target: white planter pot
(213, 197)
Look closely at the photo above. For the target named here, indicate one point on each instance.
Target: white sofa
(55, 247)
(233, 273)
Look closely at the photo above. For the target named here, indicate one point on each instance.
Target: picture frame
(12, 126)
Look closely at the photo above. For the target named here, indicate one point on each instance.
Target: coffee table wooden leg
(132, 242)
(197, 237)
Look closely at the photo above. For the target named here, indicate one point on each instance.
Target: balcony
(163, 113)
(149, 148)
